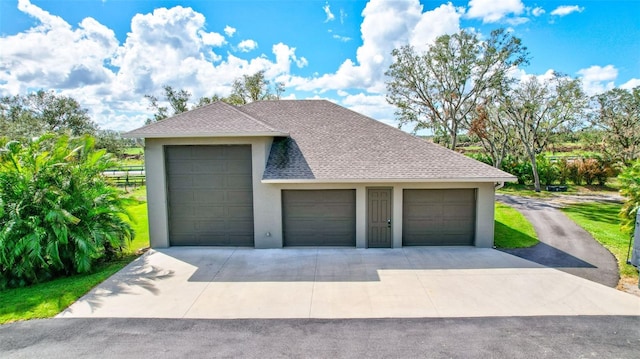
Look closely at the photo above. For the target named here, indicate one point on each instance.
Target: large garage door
(319, 217)
(442, 217)
(210, 195)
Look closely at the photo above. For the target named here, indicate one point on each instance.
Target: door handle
(388, 223)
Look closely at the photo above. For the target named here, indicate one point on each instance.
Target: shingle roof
(216, 119)
(319, 141)
(331, 143)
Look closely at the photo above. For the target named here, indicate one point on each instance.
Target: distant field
(134, 151)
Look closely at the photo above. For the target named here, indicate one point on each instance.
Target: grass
(522, 190)
(602, 221)
(129, 162)
(512, 229)
(527, 190)
(47, 299)
(139, 222)
(134, 151)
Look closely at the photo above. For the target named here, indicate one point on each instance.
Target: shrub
(630, 189)
(575, 172)
(58, 215)
(589, 170)
(563, 171)
(547, 171)
(482, 157)
(519, 168)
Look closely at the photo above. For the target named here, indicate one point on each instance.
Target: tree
(248, 88)
(203, 101)
(58, 213)
(618, 115)
(32, 115)
(495, 133)
(177, 99)
(251, 88)
(113, 142)
(440, 88)
(538, 110)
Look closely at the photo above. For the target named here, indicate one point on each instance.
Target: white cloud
(327, 11)
(285, 56)
(444, 19)
(494, 10)
(229, 30)
(343, 15)
(374, 106)
(341, 38)
(46, 19)
(211, 38)
(53, 55)
(165, 47)
(566, 10)
(247, 45)
(631, 84)
(538, 11)
(175, 33)
(386, 25)
(597, 79)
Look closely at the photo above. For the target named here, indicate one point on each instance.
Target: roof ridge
(251, 117)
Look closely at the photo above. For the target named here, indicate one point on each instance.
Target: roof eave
(394, 180)
(204, 135)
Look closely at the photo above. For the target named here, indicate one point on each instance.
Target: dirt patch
(629, 285)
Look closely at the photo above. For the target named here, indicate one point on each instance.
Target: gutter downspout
(498, 185)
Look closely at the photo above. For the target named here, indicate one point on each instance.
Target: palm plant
(58, 214)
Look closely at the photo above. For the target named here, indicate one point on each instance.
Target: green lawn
(45, 300)
(138, 213)
(512, 229)
(134, 151)
(527, 190)
(602, 221)
(522, 190)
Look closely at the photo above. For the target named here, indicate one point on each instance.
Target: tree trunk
(534, 169)
(454, 136)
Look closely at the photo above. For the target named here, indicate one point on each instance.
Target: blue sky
(109, 53)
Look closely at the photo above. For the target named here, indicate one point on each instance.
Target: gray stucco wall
(267, 196)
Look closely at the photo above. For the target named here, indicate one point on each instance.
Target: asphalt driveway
(218, 283)
(496, 337)
(564, 245)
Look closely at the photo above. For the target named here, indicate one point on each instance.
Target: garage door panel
(460, 196)
(238, 213)
(238, 197)
(208, 203)
(179, 153)
(182, 166)
(238, 167)
(237, 181)
(238, 153)
(439, 217)
(208, 197)
(207, 166)
(182, 197)
(318, 217)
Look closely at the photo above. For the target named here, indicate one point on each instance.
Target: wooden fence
(127, 176)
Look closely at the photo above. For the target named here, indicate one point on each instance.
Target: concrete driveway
(182, 282)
